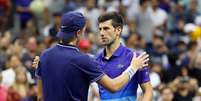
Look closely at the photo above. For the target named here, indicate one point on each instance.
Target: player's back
(62, 79)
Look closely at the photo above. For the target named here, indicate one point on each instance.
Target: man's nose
(101, 33)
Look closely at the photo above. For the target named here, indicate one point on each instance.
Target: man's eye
(106, 28)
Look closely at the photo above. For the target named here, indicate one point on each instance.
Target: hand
(140, 61)
(35, 62)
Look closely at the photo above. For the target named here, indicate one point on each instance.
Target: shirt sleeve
(143, 75)
(90, 67)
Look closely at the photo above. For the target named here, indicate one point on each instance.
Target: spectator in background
(29, 53)
(54, 6)
(175, 15)
(165, 5)
(5, 41)
(158, 15)
(183, 93)
(8, 75)
(24, 11)
(50, 30)
(3, 91)
(158, 51)
(195, 71)
(32, 93)
(135, 41)
(5, 14)
(20, 86)
(192, 11)
(166, 94)
(84, 46)
(144, 23)
(184, 87)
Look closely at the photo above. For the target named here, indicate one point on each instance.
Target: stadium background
(169, 30)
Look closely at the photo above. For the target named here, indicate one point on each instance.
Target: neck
(73, 42)
(110, 49)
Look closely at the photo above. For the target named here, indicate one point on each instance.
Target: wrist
(130, 71)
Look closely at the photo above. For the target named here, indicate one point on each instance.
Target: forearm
(147, 93)
(147, 96)
(118, 82)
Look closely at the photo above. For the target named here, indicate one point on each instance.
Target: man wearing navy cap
(65, 73)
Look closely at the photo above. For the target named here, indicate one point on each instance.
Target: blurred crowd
(169, 30)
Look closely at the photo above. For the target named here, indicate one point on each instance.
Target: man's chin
(104, 44)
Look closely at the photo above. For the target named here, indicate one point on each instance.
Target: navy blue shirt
(66, 73)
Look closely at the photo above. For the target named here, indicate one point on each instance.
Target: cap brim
(64, 35)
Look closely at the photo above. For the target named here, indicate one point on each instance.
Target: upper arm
(144, 79)
(143, 75)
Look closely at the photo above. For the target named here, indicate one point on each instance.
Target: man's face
(167, 95)
(108, 33)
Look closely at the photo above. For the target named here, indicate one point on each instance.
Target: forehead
(107, 23)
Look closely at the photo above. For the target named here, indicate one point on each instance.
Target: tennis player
(115, 58)
(65, 73)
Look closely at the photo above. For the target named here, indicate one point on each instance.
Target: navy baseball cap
(70, 23)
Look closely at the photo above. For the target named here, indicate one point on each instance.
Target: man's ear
(119, 29)
(78, 33)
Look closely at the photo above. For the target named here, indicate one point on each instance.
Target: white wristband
(131, 72)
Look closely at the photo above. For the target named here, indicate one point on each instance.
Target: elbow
(114, 89)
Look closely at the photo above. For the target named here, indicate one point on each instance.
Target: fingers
(140, 61)
(146, 60)
(35, 62)
(145, 65)
(142, 55)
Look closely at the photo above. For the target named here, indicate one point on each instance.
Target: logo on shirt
(120, 66)
(147, 73)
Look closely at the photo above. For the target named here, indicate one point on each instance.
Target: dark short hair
(117, 20)
(141, 2)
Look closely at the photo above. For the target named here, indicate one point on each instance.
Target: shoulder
(82, 58)
(46, 51)
(127, 51)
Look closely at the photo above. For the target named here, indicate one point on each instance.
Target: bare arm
(148, 91)
(115, 84)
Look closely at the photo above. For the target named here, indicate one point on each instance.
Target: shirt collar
(68, 46)
(117, 52)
